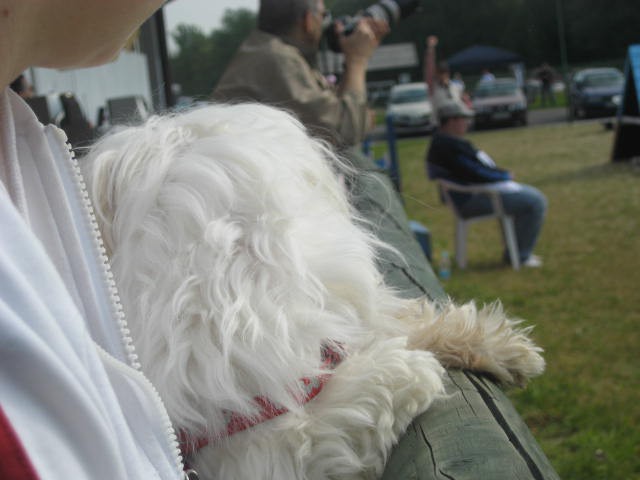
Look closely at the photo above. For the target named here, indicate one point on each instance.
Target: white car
(410, 107)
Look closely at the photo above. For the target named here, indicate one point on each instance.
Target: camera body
(392, 11)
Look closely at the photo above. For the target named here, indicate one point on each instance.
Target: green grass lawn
(585, 301)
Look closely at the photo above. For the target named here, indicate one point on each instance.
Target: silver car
(499, 101)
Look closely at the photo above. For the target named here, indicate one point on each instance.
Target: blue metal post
(366, 146)
(394, 167)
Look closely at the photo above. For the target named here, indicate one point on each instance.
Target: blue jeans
(527, 207)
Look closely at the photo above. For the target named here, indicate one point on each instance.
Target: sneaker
(534, 261)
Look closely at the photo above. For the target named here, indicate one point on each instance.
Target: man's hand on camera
(360, 45)
(358, 48)
(380, 27)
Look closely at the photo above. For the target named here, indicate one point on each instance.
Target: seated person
(453, 158)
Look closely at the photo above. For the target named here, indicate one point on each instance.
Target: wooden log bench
(475, 433)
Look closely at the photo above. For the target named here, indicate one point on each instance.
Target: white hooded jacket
(69, 381)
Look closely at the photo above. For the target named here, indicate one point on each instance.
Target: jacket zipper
(116, 305)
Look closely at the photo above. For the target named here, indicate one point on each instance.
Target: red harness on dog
(311, 387)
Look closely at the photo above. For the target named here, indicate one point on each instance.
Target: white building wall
(127, 75)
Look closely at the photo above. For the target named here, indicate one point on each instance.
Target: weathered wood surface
(377, 202)
(475, 432)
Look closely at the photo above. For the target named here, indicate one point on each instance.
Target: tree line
(594, 32)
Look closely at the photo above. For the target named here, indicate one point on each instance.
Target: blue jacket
(455, 159)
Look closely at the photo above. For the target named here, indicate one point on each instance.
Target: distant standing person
(458, 81)
(546, 75)
(437, 75)
(487, 76)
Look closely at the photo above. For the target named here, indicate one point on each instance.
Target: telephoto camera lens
(392, 11)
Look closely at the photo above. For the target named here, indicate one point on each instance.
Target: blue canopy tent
(481, 56)
(626, 144)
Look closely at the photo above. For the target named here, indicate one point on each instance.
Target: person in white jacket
(73, 402)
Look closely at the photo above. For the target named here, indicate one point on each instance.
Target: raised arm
(430, 61)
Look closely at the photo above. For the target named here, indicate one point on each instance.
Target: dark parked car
(499, 101)
(595, 92)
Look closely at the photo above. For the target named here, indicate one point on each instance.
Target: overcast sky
(207, 14)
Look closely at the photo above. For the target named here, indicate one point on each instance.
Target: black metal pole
(164, 57)
(563, 49)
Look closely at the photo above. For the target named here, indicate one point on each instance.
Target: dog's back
(235, 250)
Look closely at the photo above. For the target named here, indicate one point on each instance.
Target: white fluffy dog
(258, 312)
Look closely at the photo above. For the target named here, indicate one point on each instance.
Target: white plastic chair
(462, 223)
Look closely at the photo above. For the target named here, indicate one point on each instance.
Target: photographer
(277, 65)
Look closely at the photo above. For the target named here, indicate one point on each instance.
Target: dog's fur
(238, 257)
